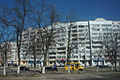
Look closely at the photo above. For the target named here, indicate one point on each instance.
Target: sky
(84, 9)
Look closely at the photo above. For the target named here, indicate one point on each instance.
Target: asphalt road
(71, 76)
(84, 76)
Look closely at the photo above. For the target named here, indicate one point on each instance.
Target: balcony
(52, 59)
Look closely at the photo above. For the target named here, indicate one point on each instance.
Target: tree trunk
(18, 71)
(97, 66)
(68, 68)
(116, 69)
(115, 61)
(5, 63)
(112, 67)
(34, 54)
(45, 62)
(5, 69)
(34, 63)
(43, 70)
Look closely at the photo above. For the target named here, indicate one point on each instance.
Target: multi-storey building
(79, 40)
(86, 41)
(11, 52)
(99, 29)
(30, 47)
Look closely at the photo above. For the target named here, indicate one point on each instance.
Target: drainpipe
(90, 42)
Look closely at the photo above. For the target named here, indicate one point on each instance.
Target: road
(72, 76)
(84, 76)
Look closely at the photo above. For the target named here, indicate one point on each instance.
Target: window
(116, 25)
(81, 34)
(61, 44)
(94, 33)
(97, 46)
(108, 25)
(104, 29)
(74, 27)
(63, 57)
(96, 25)
(62, 48)
(95, 29)
(97, 42)
(81, 38)
(80, 30)
(75, 56)
(74, 39)
(96, 38)
(75, 61)
(88, 47)
(74, 30)
(74, 35)
(81, 26)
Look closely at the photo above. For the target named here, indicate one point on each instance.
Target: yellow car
(74, 66)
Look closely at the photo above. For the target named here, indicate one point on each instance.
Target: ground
(63, 75)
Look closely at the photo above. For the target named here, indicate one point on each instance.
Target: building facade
(86, 42)
(11, 52)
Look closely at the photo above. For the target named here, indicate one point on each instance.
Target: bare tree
(43, 16)
(5, 38)
(100, 52)
(32, 46)
(5, 48)
(17, 20)
(38, 20)
(5, 51)
(70, 18)
(112, 47)
(48, 31)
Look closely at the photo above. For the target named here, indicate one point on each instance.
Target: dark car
(103, 66)
(24, 68)
(48, 68)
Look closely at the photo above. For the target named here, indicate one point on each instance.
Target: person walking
(54, 67)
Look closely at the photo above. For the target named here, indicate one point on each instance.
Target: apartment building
(12, 59)
(30, 47)
(79, 36)
(11, 53)
(86, 41)
(99, 29)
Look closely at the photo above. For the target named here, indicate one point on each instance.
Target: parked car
(48, 68)
(103, 66)
(24, 68)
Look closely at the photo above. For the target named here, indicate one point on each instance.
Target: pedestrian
(54, 67)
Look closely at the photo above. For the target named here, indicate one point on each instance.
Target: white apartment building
(79, 36)
(28, 42)
(11, 52)
(86, 38)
